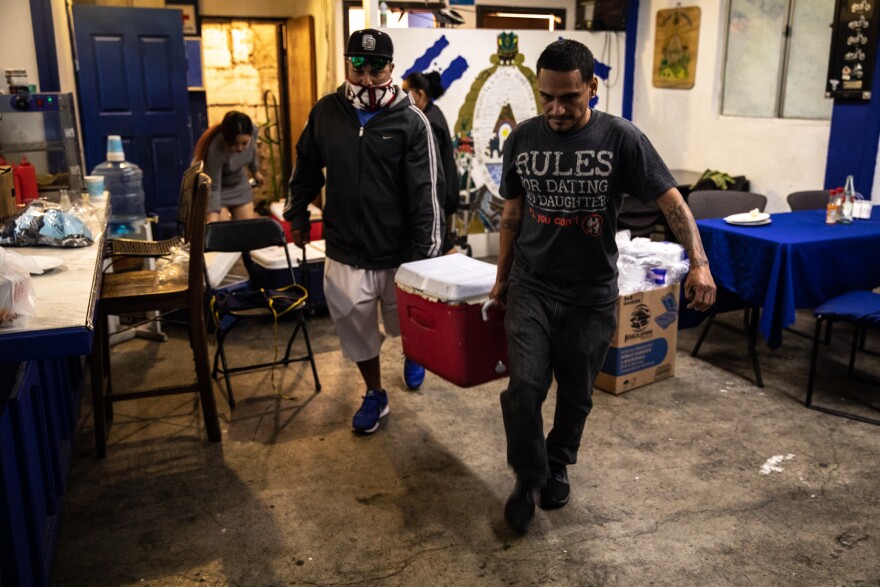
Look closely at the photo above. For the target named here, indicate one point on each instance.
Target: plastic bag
(17, 297)
(46, 223)
(175, 267)
(643, 264)
(91, 214)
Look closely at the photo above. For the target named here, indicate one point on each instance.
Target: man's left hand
(699, 288)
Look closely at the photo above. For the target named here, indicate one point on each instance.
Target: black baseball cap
(370, 43)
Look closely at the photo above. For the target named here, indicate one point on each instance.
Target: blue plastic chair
(862, 310)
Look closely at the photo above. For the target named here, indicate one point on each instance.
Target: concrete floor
(669, 489)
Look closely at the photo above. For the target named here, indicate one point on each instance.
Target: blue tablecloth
(796, 261)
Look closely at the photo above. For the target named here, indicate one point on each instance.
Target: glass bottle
(64, 200)
(847, 202)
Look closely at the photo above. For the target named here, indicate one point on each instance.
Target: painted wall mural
(491, 86)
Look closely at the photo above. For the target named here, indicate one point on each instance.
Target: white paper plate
(747, 218)
(758, 223)
(45, 263)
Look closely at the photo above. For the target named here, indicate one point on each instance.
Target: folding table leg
(814, 356)
(703, 333)
(97, 368)
(753, 316)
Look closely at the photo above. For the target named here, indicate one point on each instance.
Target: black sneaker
(519, 511)
(557, 491)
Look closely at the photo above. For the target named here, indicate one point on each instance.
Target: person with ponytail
(424, 89)
(229, 151)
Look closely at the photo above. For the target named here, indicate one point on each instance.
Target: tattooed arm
(699, 287)
(511, 222)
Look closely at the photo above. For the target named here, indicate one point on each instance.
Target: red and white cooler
(446, 321)
(316, 232)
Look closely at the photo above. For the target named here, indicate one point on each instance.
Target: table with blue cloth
(796, 261)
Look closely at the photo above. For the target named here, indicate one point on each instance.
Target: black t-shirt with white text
(574, 185)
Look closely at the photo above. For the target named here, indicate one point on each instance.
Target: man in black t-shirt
(563, 180)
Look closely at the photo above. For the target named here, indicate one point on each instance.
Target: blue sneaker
(375, 406)
(413, 374)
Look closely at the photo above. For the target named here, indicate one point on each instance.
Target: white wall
(63, 47)
(17, 41)
(875, 190)
(778, 156)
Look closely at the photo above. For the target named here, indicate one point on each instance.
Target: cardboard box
(7, 192)
(442, 324)
(643, 348)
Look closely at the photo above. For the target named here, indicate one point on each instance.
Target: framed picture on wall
(853, 50)
(194, 67)
(675, 47)
(190, 20)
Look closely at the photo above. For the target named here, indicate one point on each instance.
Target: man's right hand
(499, 293)
(299, 237)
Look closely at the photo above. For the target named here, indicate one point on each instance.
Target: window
(777, 58)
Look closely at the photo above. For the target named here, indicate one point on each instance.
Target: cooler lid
(218, 265)
(316, 251)
(273, 257)
(449, 278)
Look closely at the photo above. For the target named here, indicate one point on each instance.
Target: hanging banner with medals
(675, 47)
(853, 50)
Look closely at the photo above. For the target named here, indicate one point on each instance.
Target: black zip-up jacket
(383, 203)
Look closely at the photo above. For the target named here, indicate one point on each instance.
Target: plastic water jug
(125, 182)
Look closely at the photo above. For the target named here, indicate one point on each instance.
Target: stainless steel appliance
(43, 128)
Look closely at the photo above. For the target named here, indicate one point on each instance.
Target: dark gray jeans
(547, 338)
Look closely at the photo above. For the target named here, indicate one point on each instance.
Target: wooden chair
(129, 247)
(231, 309)
(718, 204)
(139, 292)
(862, 310)
(808, 200)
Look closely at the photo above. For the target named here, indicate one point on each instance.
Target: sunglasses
(377, 64)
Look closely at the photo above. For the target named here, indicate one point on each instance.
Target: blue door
(132, 83)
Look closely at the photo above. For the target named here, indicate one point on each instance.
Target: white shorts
(353, 298)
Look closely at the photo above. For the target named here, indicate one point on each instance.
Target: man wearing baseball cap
(373, 151)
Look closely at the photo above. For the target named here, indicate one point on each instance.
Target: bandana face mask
(370, 98)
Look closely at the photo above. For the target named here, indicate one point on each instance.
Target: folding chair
(232, 308)
(862, 310)
(808, 200)
(141, 292)
(718, 204)
(642, 220)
